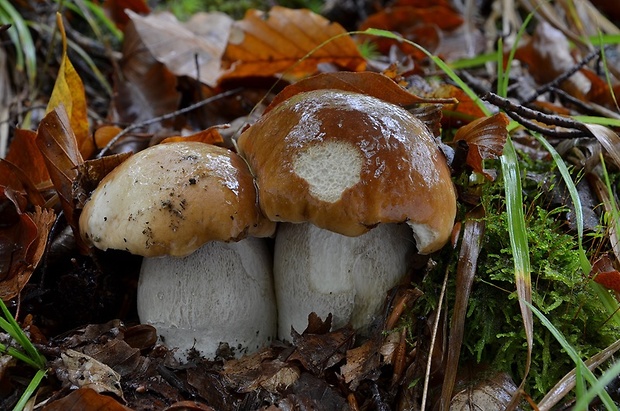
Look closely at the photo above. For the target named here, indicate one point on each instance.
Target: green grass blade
(518, 241)
(23, 40)
(585, 372)
(574, 195)
(30, 389)
(597, 388)
(9, 325)
(502, 87)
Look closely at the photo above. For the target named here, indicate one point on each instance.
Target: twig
(167, 116)
(521, 114)
(566, 75)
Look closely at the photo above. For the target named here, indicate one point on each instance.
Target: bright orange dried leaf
(24, 153)
(372, 84)
(485, 138)
(58, 145)
(85, 399)
(116, 9)
(464, 111)
(605, 273)
(265, 44)
(105, 134)
(209, 136)
(69, 91)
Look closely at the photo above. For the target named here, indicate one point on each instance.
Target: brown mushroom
(345, 162)
(198, 202)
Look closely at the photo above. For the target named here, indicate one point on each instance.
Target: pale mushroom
(346, 162)
(188, 208)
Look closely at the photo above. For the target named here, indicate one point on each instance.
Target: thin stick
(166, 117)
(427, 374)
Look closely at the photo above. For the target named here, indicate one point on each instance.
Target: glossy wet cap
(347, 162)
(171, 198)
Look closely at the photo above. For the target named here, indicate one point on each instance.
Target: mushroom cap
(170, 199)
(346, 162)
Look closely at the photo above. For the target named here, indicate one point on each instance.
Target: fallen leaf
(59, 147)
(464, 111)
(24, 153)
(276, 42)
(144, 88)
(209, 136)
(605, 274)
(69, 92)
(193, 49)
(13, 177)
(83, 371)
(362, 362)
(85, 399)
(372, 84)
(493, 393)
(485, 138)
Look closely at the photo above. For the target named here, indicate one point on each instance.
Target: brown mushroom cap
(347, 162)
(171, 198)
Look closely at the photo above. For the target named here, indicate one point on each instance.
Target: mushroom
(346, 162)
(188, 208)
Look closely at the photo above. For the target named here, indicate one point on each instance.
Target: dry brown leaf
(59, 148)
(144, 88)
(362, 362)
(23, 235)
(69, 92)
(491, 394)
(464, 111)
(209, 136)
(193, 49)
(85, 399)
(268, 43)
(372, 84)
(24, 153)
(485, 138)
(81, 370)
(605, 274)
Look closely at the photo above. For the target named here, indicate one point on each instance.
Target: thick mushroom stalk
(347, 162)
(166, 202)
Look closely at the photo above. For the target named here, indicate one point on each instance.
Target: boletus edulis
(356, 180)
(191, 209)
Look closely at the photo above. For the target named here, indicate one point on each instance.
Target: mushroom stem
(316, 270)
(222, 293)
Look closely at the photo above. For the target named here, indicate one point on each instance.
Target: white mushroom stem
(222, 293)
(316, 270)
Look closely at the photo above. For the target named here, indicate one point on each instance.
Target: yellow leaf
(69, 91)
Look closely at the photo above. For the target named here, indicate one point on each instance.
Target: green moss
(494, 332)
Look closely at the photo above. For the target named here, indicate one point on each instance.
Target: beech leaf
(268, 43)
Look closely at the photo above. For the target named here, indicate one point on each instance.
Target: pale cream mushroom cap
(170, 199)
(347, 162)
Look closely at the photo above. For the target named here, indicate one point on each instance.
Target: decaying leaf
(24, 153)
(86, 399)
(116, 9)
(69, 92)
(209, 136)
(485, 138)
(192, 49)
(268, 43)
(362, 362)
(260, 370)
(493, 393)
(83, 371)
(604, 273)
(372, 84)
(59, 147)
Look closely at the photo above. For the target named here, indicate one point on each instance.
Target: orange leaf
(464, 111)
(85, 399)
(265, 44)
(24, 153)
(209, 136)
(373, 84)
(69, 91)
(58, 145)
(485, 138)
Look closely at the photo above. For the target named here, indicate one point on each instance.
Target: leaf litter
(165, 65)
